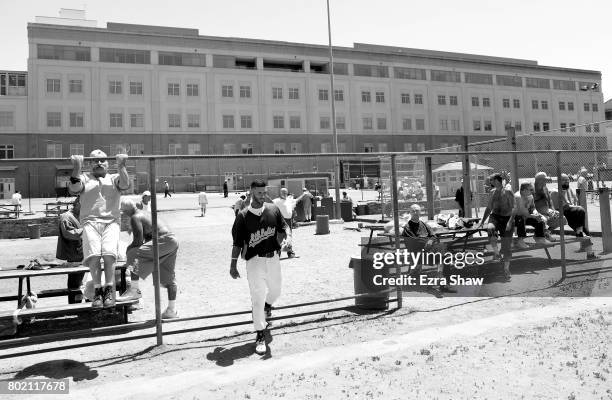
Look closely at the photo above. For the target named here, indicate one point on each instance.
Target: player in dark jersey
(257, 233)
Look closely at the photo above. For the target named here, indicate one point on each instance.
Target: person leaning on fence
(427, 241)
(257, 233)
(574, 214)
(500, 211)
(100, 216)
(526, 214)
(140, 258)
(70, 249)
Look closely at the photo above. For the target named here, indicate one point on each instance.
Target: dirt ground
(518, 342)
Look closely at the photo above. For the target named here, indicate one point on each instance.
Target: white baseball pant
(263, 273)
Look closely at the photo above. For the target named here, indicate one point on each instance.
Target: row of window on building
(134, 56)
(136, 120)
(115, 87)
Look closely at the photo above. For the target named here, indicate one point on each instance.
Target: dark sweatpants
(575, 216)
(520, 222)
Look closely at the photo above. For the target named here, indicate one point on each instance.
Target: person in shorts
(140, 256)
(100, 216)
(500, 212)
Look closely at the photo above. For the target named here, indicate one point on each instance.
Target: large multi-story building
(161, 90)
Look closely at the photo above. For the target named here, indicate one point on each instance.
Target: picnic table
(9, 210)
(54, 311)
(57, 208)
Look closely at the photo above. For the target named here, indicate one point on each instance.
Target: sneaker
(290, 254)
(109, 301)
(130, 294)
(260, 343)
(98, 301)
(520, 244)
(507, 276)
(591, 256)
(169, 314)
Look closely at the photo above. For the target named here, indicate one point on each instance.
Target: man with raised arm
(100, 195)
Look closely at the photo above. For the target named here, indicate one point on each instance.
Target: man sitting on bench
(574, 214)
(526, 214)
(417, 229)
(500, 211)
(544, 204)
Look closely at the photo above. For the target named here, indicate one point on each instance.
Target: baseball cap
(304, 189)
(146, 193)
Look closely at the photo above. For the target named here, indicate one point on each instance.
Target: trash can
(34, 231)
(363, 278)
(346, 210)
(328, 203)
(322, 225)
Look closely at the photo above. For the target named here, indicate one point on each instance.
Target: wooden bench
(471, 243)
(55, 311)
(9, 210)
(63, 310)
(56, 209)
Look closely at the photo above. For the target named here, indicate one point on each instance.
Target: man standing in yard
(306, 199)
(100, 216)
(286, 204)
(166, 190)
(257, 234)
(225, 189)
(203, 202)
(140, 256)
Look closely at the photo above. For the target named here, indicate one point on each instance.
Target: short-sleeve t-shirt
(100, 198)
(258, 233)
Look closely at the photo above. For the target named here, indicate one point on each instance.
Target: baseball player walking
(257, 233)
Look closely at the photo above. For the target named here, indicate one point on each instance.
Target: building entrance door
(7, 188)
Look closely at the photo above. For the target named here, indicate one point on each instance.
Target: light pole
(591, 88)
(333, 107)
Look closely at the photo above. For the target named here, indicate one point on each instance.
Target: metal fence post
(429, 188)
(515, 178)
(396, 223)
(467, 180)
(561, 217)
(604, 210)
(158, 321)
(582, 201)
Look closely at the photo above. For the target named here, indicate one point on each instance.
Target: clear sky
(561, 33)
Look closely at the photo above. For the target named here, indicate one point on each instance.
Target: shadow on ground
(58, 369)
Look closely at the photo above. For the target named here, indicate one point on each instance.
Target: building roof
(458, 166)
(190, 38)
